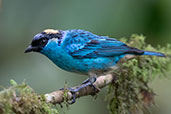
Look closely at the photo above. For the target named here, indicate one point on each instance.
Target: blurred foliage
(21, 99)
(131, 93)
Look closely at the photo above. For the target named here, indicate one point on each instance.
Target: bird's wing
(99, 46)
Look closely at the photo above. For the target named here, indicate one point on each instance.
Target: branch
(58, 96)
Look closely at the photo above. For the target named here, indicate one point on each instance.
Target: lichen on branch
(21, 99)
(131, 92)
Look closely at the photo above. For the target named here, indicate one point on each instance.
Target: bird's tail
(154, 53)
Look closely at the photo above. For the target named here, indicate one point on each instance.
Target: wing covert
(93, 46)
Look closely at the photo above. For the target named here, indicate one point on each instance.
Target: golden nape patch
(51, 31)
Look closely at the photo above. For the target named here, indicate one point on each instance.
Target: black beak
(31, 48)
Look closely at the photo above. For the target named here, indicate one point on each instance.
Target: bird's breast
(85, 65)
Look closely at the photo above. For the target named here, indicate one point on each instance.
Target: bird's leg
(90, 80)
(74, 90)
(84, 84)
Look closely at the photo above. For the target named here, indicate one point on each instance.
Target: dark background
(20, 20)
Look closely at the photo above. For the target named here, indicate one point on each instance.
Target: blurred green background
(20, 20)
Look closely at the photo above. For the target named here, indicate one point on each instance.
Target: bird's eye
(43, 41)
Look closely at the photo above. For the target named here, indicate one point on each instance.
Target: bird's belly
(84, 66)
(100, 64)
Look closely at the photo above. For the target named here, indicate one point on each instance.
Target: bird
(82, 52)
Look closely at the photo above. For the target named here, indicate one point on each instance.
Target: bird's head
(44, 40)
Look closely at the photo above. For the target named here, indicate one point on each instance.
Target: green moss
(131, 92)
(21, 99)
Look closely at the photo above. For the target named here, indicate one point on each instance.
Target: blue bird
(82, 52)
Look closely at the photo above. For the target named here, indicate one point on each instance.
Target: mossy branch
(128, 90)
(58, 96)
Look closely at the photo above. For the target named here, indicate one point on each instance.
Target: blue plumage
(154, 53)
(82, 51)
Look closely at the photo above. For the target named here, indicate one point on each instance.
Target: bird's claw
(96, 89)
(73, 92)
(91, 80)
(87, 82)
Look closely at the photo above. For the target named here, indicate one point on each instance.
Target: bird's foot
(87, 82)
(73, 92)
(91, 80)
(77, 89)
